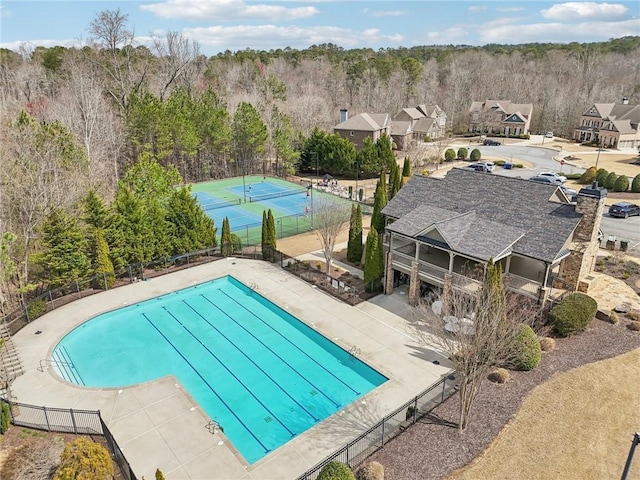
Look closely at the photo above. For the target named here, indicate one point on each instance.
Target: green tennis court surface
(244, 201)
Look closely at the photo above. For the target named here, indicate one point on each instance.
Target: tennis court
(244, 202)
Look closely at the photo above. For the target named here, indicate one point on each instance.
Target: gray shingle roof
(506, 211)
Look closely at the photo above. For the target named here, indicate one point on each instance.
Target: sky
(219, 25)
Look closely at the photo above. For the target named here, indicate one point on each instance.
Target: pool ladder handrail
(354, 351)
(51, 361)
(212, 426)
(254, 286)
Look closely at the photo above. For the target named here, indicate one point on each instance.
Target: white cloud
(496, 22)
(384, 13)
(476, 9)
(5, 12)
(224, 10)
(585, 10)
(510, 9)
(266, 37)
(454, 35)
(559, 32)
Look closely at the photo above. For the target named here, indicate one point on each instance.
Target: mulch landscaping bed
(434, 448)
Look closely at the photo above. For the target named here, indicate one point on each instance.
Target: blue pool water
(263, 375)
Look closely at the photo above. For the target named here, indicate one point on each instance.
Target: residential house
(418, 123)
(439, 230)
(364, 125)
(613, 125)
(500, 116)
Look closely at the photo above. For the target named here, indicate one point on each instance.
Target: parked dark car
(624, 210)
(490, 142)
(478, 167)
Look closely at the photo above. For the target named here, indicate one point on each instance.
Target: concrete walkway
(159, 425)
(318, 255)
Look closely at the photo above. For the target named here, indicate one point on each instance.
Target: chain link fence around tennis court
(67, 420)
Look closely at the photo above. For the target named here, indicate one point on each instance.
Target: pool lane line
(294, 345)
(271, 350)
(250, 360)
(267, 450)
(227, 369)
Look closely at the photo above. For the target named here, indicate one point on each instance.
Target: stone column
(388, 276)
(585, 246)
(414, 285)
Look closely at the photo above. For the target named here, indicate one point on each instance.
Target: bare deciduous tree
(123, 67)
(329, 220)
(177, 56)
(475, 329)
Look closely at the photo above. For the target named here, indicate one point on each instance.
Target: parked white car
(561, 178)
(483, 166)
(548, 135)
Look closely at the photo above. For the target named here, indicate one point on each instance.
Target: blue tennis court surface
(263, 375)
(239, 218)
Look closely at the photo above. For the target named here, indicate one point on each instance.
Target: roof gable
(515, 118)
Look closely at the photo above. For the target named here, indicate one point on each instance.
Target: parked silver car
(547, 180)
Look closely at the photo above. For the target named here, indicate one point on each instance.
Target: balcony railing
(524, 286)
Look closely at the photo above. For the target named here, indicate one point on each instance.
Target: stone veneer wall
(584, 249)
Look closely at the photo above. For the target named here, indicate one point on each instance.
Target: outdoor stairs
(10, 364)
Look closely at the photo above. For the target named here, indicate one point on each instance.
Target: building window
(351, 133)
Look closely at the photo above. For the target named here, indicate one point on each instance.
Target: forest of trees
(74, 120)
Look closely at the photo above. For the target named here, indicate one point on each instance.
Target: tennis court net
(285, 193)
(221, 204)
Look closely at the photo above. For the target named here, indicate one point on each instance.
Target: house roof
(524, 109)
(365, 122)
(413, 113)
(425, 124)
(430, 110)
(400, 127)
(507, 212)
(621, 126)
(466, 233)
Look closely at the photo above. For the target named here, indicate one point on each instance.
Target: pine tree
(355, 247)
(379, 202)
(351, 241)
(190, 227)
(397, 181)
(226, 245)
(104, 267)
(95, 211)
(393, 172)
(373, 267)
(265, 235)
(63, 258)
(159, 474)
(359, 247)
(406, 168)
(271, 233)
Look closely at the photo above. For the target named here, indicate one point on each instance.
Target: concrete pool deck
(158, 425)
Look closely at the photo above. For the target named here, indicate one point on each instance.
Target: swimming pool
(263, 375)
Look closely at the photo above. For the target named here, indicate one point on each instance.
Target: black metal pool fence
(67, 420)
(366, 444)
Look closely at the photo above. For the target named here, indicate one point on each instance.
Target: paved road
(623, 229)
(541, 160)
